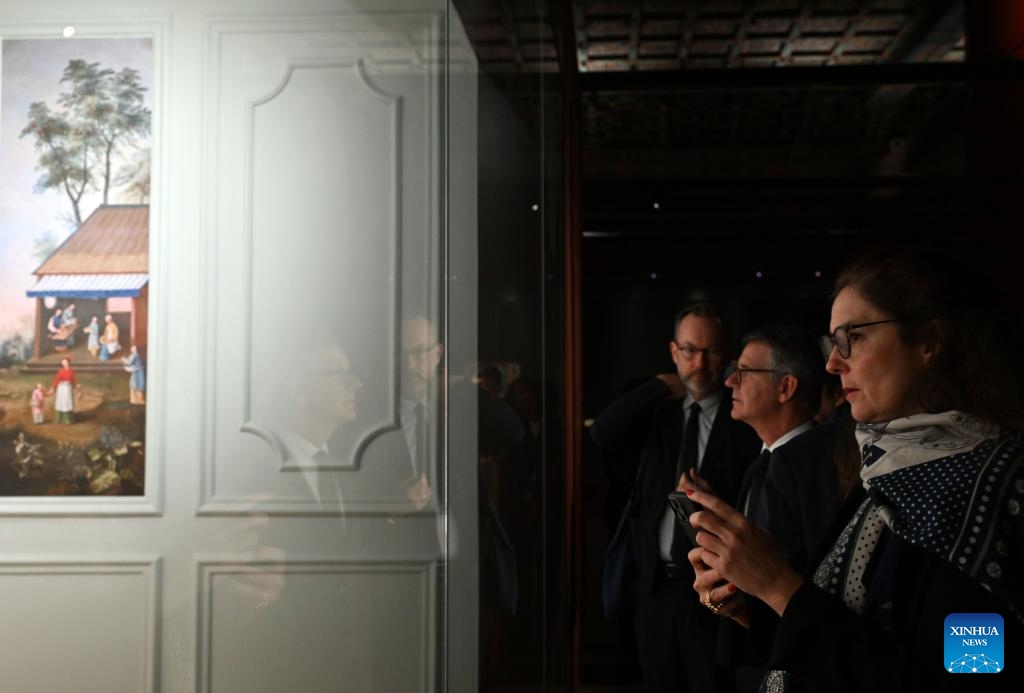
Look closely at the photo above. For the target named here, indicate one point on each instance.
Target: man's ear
(436, 353)
(787, 387)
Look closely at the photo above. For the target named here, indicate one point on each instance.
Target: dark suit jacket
(800, 496)
(633, 555)
(798, 500)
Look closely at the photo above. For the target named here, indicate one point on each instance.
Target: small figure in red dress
(65, 386)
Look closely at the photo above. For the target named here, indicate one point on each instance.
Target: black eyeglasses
(840, 337)
(738, 373)
(690, 352)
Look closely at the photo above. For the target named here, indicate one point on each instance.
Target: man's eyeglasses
(690, 352)
(840, 337)
(738, 373)
(418, 351)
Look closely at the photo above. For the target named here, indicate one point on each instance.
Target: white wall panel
(78, 625)
(320, 625)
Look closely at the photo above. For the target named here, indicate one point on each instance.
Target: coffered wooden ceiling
(743, 114)
(662, 35)
(656, 35)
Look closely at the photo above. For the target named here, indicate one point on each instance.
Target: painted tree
(63, 154)
(100, 116)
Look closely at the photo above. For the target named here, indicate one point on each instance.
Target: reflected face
(524, 398)
(421, 354)
(329, 386)
(699, 356)
(880, 377)
(755, 394)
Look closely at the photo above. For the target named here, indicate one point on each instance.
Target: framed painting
(76, 123)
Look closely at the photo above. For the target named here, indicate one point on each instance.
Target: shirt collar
(708, 405)
(789, 435)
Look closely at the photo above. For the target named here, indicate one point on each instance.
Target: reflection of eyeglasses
(418, 352)
(690, 352)
(740, 372)
(840, 337)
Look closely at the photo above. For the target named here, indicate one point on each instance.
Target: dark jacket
(798, 502)
(801, 496)
(829, 648)
(633, 554)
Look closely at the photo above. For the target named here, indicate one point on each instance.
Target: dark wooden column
(572, 128)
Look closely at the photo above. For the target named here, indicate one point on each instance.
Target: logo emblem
(974, 644)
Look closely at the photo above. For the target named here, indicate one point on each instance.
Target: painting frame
(150, 501)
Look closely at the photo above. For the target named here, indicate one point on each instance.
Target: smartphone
(683, 507)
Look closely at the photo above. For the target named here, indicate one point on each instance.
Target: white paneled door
(307, 518)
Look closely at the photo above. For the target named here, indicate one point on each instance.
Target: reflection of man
(499, 428)
(323, 396)
(421, 358)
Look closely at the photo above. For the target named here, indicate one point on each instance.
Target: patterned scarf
(939, 482)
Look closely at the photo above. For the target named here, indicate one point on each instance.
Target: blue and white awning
(89, 285)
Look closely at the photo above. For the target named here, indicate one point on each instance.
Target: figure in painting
(69, 323)
(58, 333)
(61, 328)
(109, 340)
(93, 330)
(36, 403)
(54, 323)
(137, 380)
(66, 387)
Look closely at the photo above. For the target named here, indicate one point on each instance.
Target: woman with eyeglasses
(936, 526)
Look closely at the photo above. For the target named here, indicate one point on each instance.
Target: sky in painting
(31, 71)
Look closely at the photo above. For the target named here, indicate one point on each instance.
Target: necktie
(424, 461)
(420, 458)
(689, 454)
(756, 475)
(688, 458)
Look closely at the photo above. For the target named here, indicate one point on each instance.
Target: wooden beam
(796, 76)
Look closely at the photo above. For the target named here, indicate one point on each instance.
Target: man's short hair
(796, 351)
(705, 310)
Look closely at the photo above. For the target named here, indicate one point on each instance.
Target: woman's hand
(692, 481)
(741, 553)
(717, 594)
